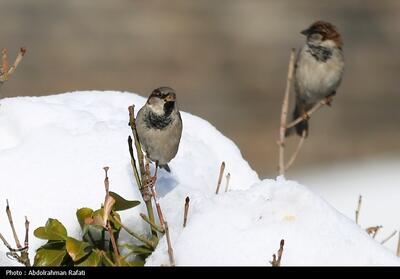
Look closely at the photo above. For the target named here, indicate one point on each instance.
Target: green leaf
(53, 230)
(94, 259)
(77, 249)
(121, 203)
(82, 214)
(49, 257)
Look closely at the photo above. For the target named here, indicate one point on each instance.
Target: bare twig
(23, 257)
(294, 156)
(358, 208)
(157, 228)
(373, 230)
(398, 247)
(228, 178)
(285, 108)
(170, 250)
(388, 238)
(148, 243)
(108, 203)
(221, 173)
(10, 220)
(277, 262)
(308, 113)
(143, 181)
(185, 214)
(6, 70)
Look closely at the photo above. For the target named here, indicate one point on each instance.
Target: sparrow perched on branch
(318, 71)
(159, 126)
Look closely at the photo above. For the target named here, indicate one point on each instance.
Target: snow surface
(376, 179)
(52, 150)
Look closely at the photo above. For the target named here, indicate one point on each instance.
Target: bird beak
(171, 97)
(305, 32)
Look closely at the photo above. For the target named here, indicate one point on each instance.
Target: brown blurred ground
(227, 61)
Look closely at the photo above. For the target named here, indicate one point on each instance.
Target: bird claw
(328, 101)
(306, 116)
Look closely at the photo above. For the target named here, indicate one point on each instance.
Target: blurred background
(227, 60)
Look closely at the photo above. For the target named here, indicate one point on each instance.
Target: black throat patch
(320, 53)
(156, 121)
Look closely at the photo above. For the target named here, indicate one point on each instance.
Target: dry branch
(284, 113)
(23, 257)
(388, 238)
(143, 180)
(185, 214)
(277, 261)
(299, 146)
(228, 178)
(6, 71)
(170, 250)
(221, 173)
(398, 247)
(308, 113)
(157, 228)
(373, 230)
(358, 208)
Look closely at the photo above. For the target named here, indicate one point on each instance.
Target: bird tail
(165, 167)
(300, 127)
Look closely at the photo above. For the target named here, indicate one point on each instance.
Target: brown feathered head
(323, 31)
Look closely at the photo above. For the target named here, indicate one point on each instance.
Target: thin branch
(228, 178)
(358, 208)
(185, 214)
(221, 173)
(373, 230)
(6, 70)
(284, 113)
(388, 238)
(277, 262)
(10, 220)
(144, 177)
(308, 113)
(148, 243)
(153, 225)
(398, 247)
(170, 250)
(294, 156)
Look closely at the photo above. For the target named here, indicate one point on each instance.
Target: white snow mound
(52, 150)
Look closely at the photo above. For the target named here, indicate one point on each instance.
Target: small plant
(21, 253)
(100, 234)
(5, 70)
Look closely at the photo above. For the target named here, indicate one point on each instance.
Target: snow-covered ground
(376, 179)
(52, 150)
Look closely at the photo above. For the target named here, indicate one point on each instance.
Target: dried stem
(148, 243)
(170, 250)
(294, 156)
(358, 208)
(10, 220)
(277, 262)
(373, 230)
(113, 243)
(228, 178)
(308, 113)
(23, 258)
(388, 238)
(185, 214)
(153, 225)
(108, 203)
(221, 173)
(285, 108)
(6, 71)
(142, 182)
